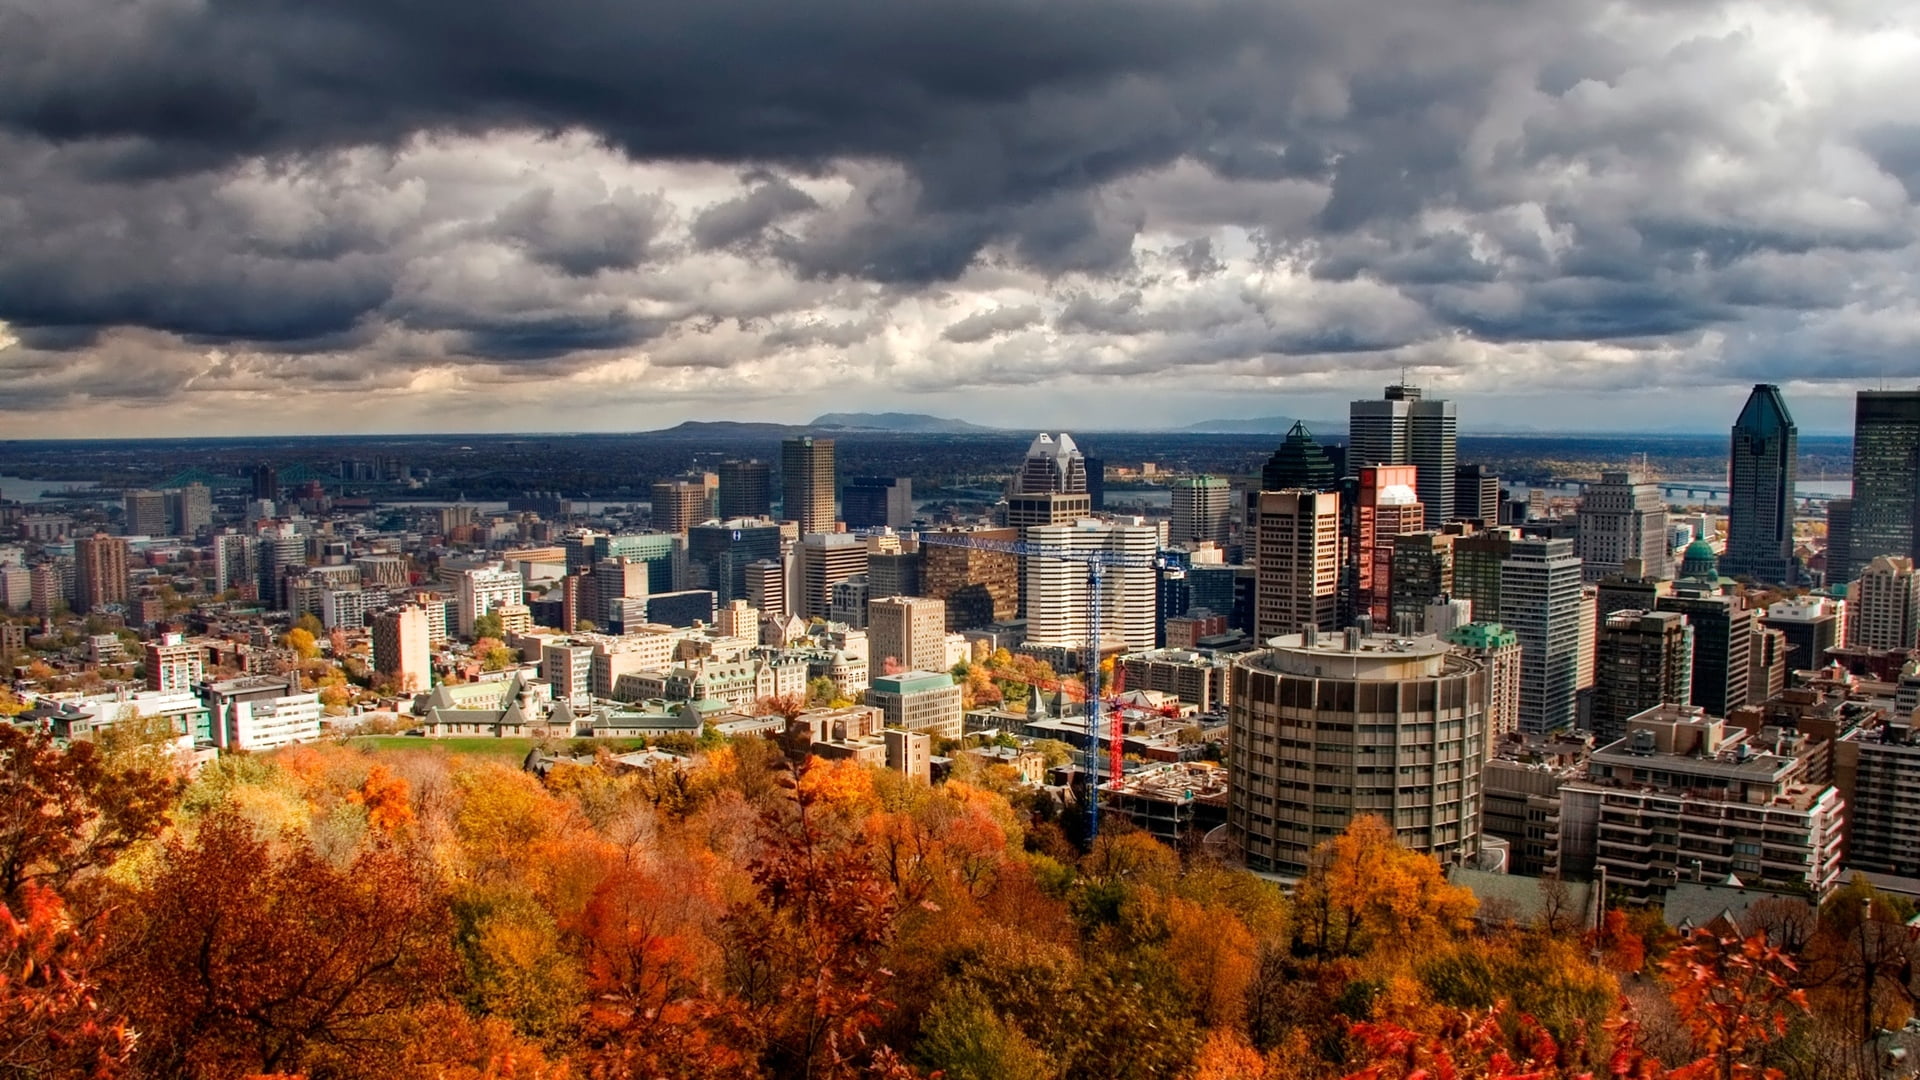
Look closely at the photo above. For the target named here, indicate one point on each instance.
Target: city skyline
(967, 209)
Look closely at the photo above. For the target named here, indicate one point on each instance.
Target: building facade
(1296, 557)
(1645, 660)
(403, 648)
(1406, 427)
(923, 701)
(1540, 601)
(909, 630)
(1058, 590)
(1202, 511)
(1883, 605)
(1886, 480)
(807, 481)
(1623, 517)
(1761, 471)
(1325, 727)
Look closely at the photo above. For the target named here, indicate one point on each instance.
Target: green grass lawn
(481, 745)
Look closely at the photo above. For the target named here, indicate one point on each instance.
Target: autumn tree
(65, 813)
(51, 1020)
(1734, 994)
(302, 643)
(249, 956)
(1364, 889)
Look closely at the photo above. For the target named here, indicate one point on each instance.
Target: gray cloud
(370, 194)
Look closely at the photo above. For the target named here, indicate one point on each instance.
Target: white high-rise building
(483, 591)
(1406, 428)
(1057, 601)
(1884, 605)
(1623, 517)
(1296, 558)
(1202, 511)
(236, 561)
(1540, 601)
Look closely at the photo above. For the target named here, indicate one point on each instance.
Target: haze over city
(614, 216)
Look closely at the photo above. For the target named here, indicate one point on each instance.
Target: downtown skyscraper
(1886, 479)
(1760, 474)
(806, 476)
(1405, 427)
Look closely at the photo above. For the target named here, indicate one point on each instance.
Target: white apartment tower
(1540, 601)
(1202, 511)
(1057, 598)
(1883, 605)
(484, 591)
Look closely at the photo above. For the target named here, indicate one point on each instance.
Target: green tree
(310, 624)
(487, 626)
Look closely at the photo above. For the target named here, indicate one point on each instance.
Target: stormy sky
(236, 216)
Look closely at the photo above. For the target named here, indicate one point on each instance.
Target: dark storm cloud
(1290, 188)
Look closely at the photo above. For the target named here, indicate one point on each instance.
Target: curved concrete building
(1324, 727)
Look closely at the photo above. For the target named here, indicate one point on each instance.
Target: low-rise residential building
(1198, 679)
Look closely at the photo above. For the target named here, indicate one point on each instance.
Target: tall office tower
(718, 556)
(746, 489)
(1202, 511)
(979, 587)
(189, 509)
(1623, 517)
(1476, 495)
(869, 502)
(236, 561)
(1589, 636)
(1385, 507)
(1422, 571)
(1096, 482)
(1051, 486)
(484, 591)
(146, 513)
(1323, 727)
(1057, 597)
(1811, 625)
(1883, 605)
(1540, 602)
(1645, 660)
(1296, 538)
(910, 630)
(1766, 665)
(893, 574)
(1477, 561)
(100, 572)
(806, 477)
(173, 664)
(766, 588)
(1760, 506)
(826, 559)
(1499, 649)
(1886, 478)
(678, 505)
(266, 483)
(1299, 464)
(402, 650)
(1722, 644)
(1407, 428)
(1839, 556)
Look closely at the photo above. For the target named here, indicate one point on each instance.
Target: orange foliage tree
(1363, 889)
(51, 1020)
(65, 812)
(245, 956)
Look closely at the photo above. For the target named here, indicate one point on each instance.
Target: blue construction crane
(1097, 563)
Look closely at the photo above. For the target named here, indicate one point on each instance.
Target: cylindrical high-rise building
(1325, 727)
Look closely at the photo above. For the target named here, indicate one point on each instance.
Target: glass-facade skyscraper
(1761, 473)
(1886, 479)
(1405, 427)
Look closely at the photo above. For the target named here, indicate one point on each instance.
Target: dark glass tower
(1761, 473)
(1300, 463)
(1886, 478)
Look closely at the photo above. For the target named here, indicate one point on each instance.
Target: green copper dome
(1699, 561)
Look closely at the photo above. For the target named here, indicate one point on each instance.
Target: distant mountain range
(1263, 425)
(911, 423)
